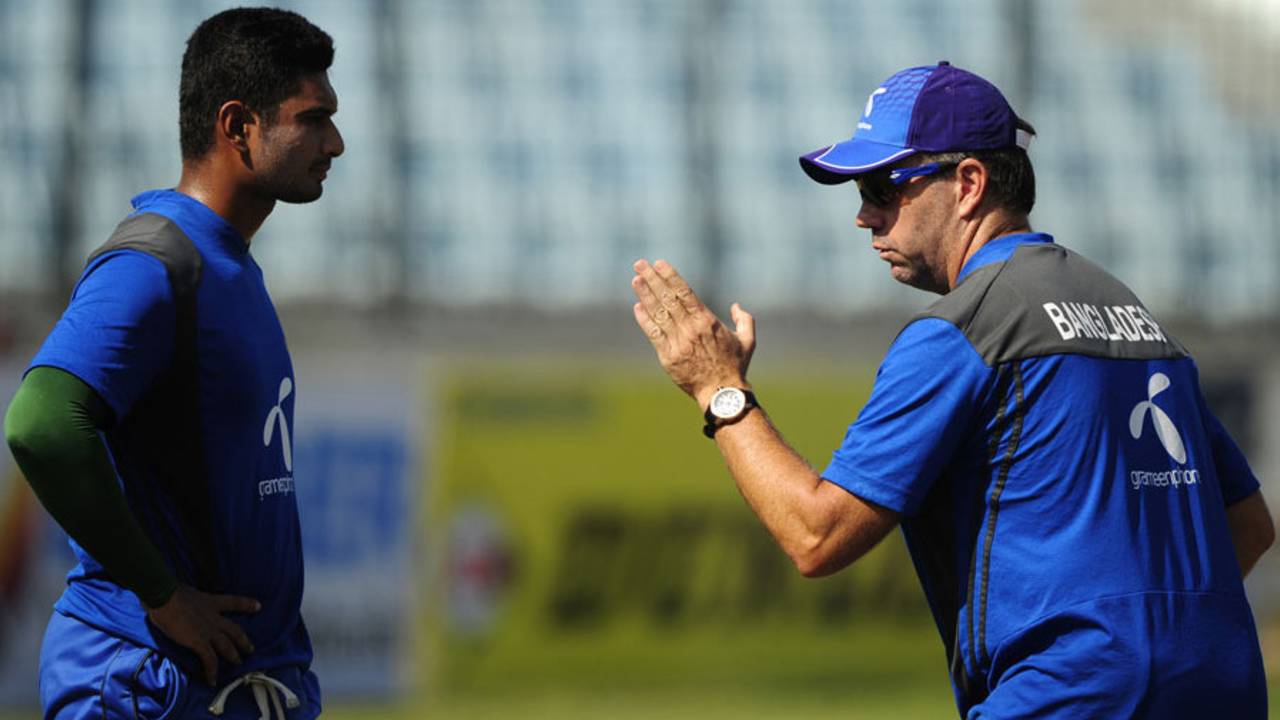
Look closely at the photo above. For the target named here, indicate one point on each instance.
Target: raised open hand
(695, 348)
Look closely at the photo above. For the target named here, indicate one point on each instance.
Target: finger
(237, 636)
(650, 328)
(226, 649)
(236, 604)
(744, 327)
(649, 301)
(209, 662)
(670, 294)
(679, 289)
(658, 289)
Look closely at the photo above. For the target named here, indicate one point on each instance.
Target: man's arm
(1248, 519)
(1252, 530)
(821, 526)
(52, 428)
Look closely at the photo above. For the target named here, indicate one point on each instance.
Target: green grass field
(743, 704)
(855, 703)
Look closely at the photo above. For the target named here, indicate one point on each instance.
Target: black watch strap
(713, 423)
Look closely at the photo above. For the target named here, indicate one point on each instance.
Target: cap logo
(871, 104)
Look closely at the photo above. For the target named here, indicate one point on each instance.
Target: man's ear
(971, 186)
(235, 123)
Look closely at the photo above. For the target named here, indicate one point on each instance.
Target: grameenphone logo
(277, 417)
(1165, 430)
(1169, 437)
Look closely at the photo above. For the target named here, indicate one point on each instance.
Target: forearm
(52, 429)
(1252, 530)
(820, 526)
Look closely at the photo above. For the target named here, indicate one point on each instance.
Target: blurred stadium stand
(523, 152)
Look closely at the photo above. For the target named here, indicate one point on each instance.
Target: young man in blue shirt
(1079, 520)
(155, 422)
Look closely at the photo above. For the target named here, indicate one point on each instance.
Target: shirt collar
(197, 220)
(1000, 249)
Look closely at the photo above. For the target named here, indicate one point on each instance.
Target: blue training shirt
(211, 480)
(1062, 485)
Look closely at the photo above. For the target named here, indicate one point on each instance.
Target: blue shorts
(87, 673)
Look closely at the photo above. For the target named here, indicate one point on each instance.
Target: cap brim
(846, 160)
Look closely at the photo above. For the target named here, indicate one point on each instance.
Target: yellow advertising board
(585, 532)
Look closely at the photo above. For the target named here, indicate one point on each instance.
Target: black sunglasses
(882, 188)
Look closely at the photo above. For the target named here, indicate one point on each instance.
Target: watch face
(728, 403)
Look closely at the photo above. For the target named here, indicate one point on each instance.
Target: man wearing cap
(1079, 520)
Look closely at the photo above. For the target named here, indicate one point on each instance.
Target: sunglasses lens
(877, 189)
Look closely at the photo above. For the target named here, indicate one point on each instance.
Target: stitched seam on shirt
(1114, 596)
(993, 444)
(1019, 414)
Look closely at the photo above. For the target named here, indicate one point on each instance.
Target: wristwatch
(727, 406)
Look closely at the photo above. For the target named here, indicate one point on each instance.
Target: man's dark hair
(255, 55)
(1011, 182)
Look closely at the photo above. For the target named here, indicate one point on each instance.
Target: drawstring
(262, 686)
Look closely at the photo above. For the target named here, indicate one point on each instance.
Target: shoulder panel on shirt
(926, 394)
(170, 409)
(1047, 300)
(160, 238)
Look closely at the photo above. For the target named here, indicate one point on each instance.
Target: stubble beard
(293, 190)
(928, 272)
(279, 180)
(920, 278)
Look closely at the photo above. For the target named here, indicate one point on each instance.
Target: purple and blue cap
(935, 108)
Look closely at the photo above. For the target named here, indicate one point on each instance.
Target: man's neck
(221, 191)
(976, 235)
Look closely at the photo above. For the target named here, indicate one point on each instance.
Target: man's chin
(301, 196)
(918, 281)
(902, 274)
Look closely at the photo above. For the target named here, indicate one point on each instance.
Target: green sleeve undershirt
(52, 428)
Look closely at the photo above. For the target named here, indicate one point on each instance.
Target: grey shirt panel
(1048, 300)
(160, 238)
